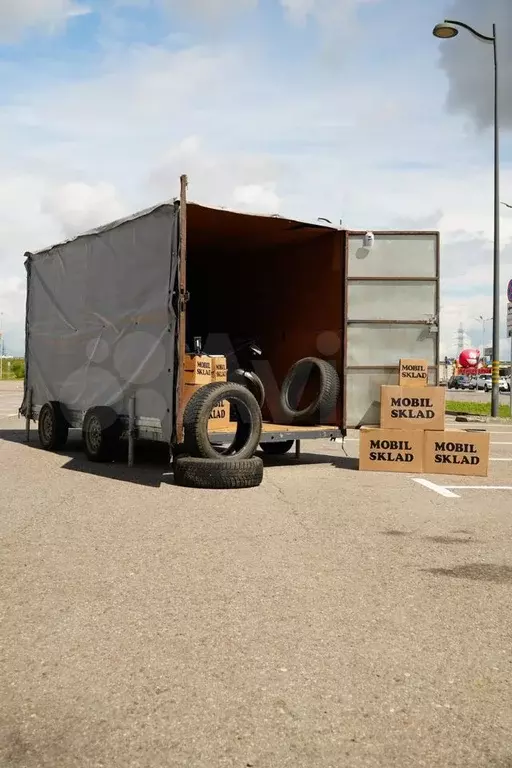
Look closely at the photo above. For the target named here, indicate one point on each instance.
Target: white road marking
(481, 487)
(437, 488)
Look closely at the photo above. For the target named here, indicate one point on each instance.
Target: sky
(344, 109)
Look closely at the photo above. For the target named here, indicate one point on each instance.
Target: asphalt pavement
(328, 618)
(11, 395)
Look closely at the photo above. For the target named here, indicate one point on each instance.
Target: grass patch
(13, 368)
(476, 409)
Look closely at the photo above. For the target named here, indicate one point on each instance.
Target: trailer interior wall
(269, 279)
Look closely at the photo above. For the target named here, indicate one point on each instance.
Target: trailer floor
(271, 432)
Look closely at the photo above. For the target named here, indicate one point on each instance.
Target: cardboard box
(219, 368)
(413, 373)
(412, 407)
(390, 450)
(219, 419)
(198, 369)
(454, 452)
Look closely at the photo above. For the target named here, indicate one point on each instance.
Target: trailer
(109, 314)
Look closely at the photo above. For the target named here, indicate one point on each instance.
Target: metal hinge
(433, 322)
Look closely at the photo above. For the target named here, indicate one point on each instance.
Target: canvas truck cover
(101, 318)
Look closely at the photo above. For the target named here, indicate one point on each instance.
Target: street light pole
(495, 402)
(446, 30)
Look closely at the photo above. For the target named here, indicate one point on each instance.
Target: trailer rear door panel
(392, 298)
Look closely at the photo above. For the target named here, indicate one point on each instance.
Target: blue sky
(337, 108)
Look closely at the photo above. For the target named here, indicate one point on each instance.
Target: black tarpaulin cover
(101, 320)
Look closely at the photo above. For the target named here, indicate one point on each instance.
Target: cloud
(212, 8)
(468, 62)
(466, 291)
(255, 197)
(77, 207)
(255, 133)
(244, 181)
(326, 12)
(47, 15)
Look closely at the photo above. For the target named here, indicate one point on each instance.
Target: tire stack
(199, 463)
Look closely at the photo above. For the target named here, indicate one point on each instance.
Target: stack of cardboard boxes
(412, 436)
(201, 370)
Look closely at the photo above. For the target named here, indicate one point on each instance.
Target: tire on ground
(297, 378)
(253, 383)
(277, 449)
(101, 432)
(52, 427)
(197, 413)
(192, 472)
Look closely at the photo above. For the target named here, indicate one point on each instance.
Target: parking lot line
(441, 490)
(481, 487)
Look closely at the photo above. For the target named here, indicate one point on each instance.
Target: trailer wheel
(101, 432)
(52, 427)
(253, 383)
(197, 413)
(277, 449)
(192, 472)
(294, 385)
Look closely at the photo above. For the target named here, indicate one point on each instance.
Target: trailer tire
(253, 383)
(192, 472)
(197, 413)
(52, 427)
(101, 432)
(277, 449)
(326, 400)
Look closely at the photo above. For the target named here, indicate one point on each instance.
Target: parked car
(484, 381)
(459, 382)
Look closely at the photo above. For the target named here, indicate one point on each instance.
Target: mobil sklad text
(412, 408)
(391, 450)
(413, 372)
(456, 453)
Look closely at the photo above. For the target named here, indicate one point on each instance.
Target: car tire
(101, 433)
(276, 449)
(192, 472)
(52, 427)
(253, 383)
(323, 404)
(196, 440)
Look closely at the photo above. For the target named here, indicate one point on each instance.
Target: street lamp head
(445, 30)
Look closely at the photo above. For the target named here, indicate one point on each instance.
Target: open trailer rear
(110, 315)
